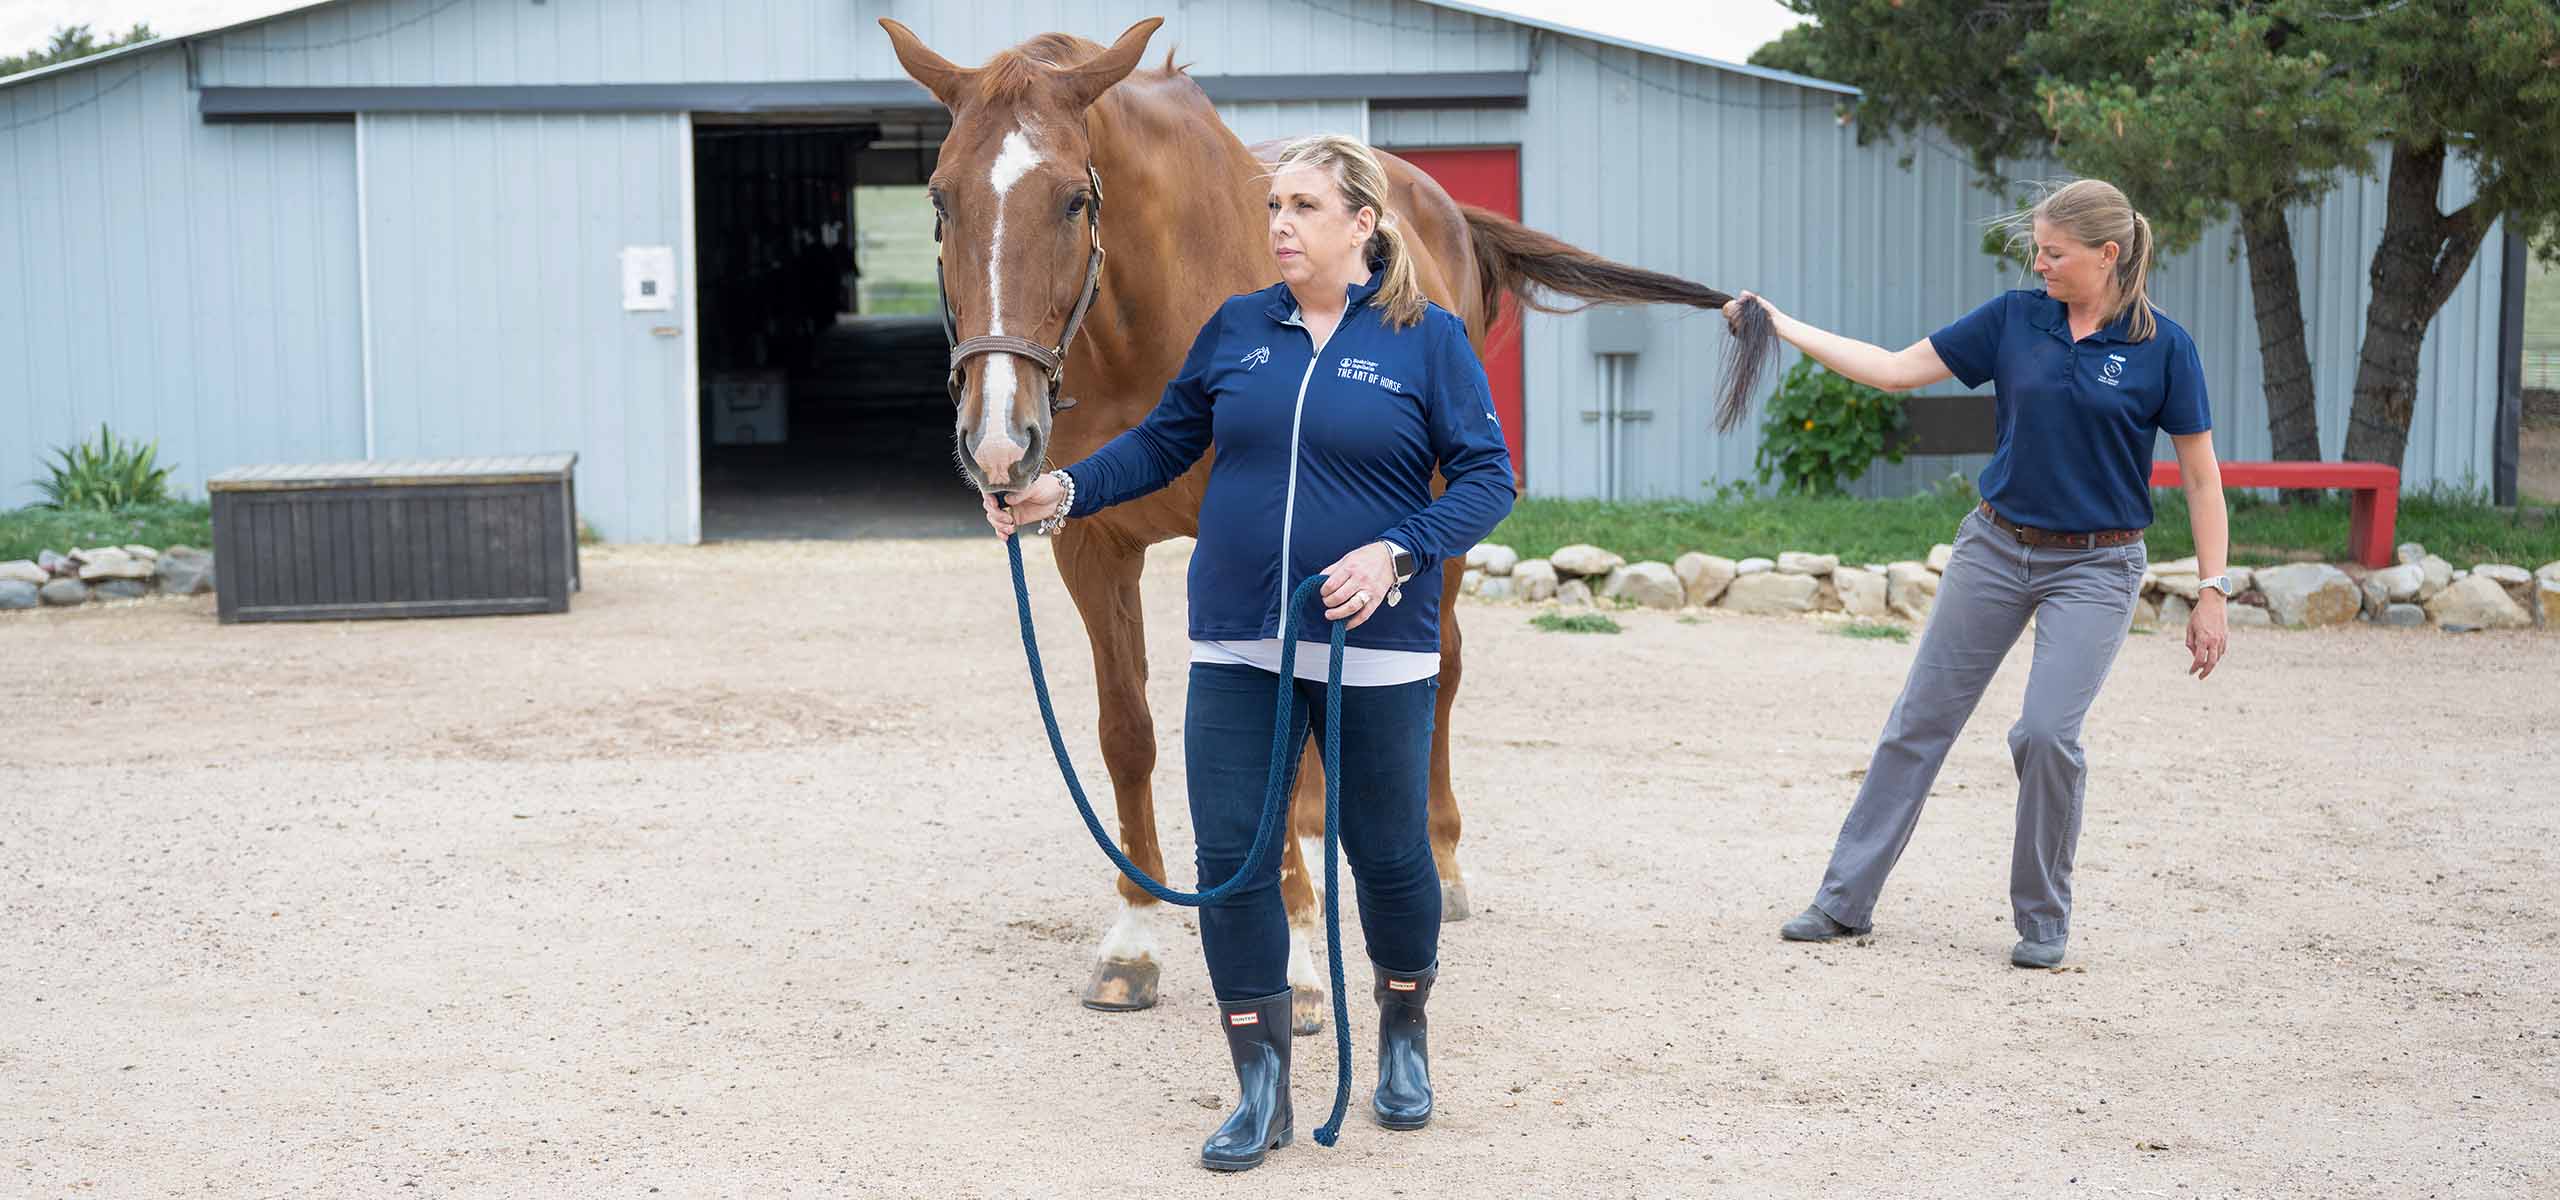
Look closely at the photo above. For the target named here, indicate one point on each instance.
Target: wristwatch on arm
(1403, 559)
(2219, 583)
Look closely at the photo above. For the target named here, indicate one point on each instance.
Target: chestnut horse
(1041, 137)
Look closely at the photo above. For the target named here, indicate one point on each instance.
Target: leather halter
(1052, 359)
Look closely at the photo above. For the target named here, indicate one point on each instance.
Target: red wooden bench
(2372, 510)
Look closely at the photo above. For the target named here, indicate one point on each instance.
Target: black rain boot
(1258, 1041)
(1403, 1100)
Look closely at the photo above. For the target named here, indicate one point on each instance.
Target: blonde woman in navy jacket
(1331, 397)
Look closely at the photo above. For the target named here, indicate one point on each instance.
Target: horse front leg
(1444, 800)
(1101, 573)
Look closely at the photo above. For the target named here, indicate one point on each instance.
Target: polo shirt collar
(2052, 316)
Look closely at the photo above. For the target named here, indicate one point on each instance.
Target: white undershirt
(1361, 666)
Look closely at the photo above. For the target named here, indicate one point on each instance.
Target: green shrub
(110, 476)
(1822, 431)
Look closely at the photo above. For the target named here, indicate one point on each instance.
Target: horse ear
(939, 75)
(1095, 76)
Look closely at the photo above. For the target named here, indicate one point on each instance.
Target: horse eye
(1075, 206)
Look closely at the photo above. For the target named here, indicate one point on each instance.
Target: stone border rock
(104, 573)
(2422, 590)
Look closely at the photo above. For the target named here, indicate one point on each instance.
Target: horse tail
(1534, 268)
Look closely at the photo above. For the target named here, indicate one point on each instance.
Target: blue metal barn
(392, 228)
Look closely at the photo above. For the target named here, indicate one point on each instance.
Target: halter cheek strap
(1052, 359)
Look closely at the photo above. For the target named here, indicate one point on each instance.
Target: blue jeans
(1385, 833)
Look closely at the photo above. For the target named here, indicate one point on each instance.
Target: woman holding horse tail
(2087, 374)
(1332, 398)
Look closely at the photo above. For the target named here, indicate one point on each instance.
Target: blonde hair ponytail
(2094, 212)
(2133, 280)
(1363, 179)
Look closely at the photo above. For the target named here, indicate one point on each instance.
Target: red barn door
(1489, 177)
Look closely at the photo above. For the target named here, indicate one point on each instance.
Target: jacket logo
(2111, 373)
(1260, 355)
(1361, 370)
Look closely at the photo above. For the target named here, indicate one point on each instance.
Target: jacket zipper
(1289, 508)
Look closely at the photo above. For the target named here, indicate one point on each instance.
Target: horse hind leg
(1101, 575)
(1444, 822)
(1302, 895)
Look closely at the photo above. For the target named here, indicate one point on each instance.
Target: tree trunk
(2423, 256)
(2284, 357)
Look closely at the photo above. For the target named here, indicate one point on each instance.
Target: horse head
(1017, 208)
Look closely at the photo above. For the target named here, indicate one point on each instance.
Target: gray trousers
(2082, 602)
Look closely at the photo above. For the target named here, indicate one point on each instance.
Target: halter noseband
(1052, 359)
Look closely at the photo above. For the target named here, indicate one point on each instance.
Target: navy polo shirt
(2077, 420)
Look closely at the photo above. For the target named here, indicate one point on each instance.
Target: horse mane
(1013, 73)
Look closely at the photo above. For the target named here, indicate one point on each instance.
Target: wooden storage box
(444, 537)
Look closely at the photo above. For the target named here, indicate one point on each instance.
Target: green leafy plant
(1822, 431)
(111, 475)
(1874, 630)
(1577, 623)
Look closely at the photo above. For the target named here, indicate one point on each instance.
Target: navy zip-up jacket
(1325, 451)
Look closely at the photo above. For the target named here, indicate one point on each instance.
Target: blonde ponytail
(1363, 179)
(1400, 291)
(2133, 281)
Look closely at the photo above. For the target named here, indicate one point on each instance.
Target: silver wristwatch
(1403, 567)
(2219, 583)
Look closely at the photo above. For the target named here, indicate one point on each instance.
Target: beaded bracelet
(1058, 520)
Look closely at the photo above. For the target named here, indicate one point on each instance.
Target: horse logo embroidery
(1259, 356)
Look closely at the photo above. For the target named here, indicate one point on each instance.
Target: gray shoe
(2038, 954)
(1815, 925)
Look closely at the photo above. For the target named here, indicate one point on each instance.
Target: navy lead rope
(1275, 804)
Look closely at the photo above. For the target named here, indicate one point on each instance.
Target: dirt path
(752, 877)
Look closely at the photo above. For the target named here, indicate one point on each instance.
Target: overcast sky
(1726, 29)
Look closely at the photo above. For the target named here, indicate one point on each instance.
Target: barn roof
(1775, 76)
(1462, 6)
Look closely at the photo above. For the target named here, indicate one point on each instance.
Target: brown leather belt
(2033, 536)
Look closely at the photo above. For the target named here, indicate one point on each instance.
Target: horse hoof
(1306, 1010)
(1122, 985)
(1453, 901)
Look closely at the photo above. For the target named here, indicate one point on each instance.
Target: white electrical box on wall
(648, 278)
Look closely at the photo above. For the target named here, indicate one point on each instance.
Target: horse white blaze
(1132, 937)
(999, 374)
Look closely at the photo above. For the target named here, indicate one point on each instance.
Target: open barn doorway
(822, 405)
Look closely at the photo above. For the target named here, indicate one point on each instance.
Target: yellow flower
(1808, 425)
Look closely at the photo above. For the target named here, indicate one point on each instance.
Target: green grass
(1872, 630)
(2541, 306)
(1856, 530)
(2464, 530)
(1577, 623)
(25, 531)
